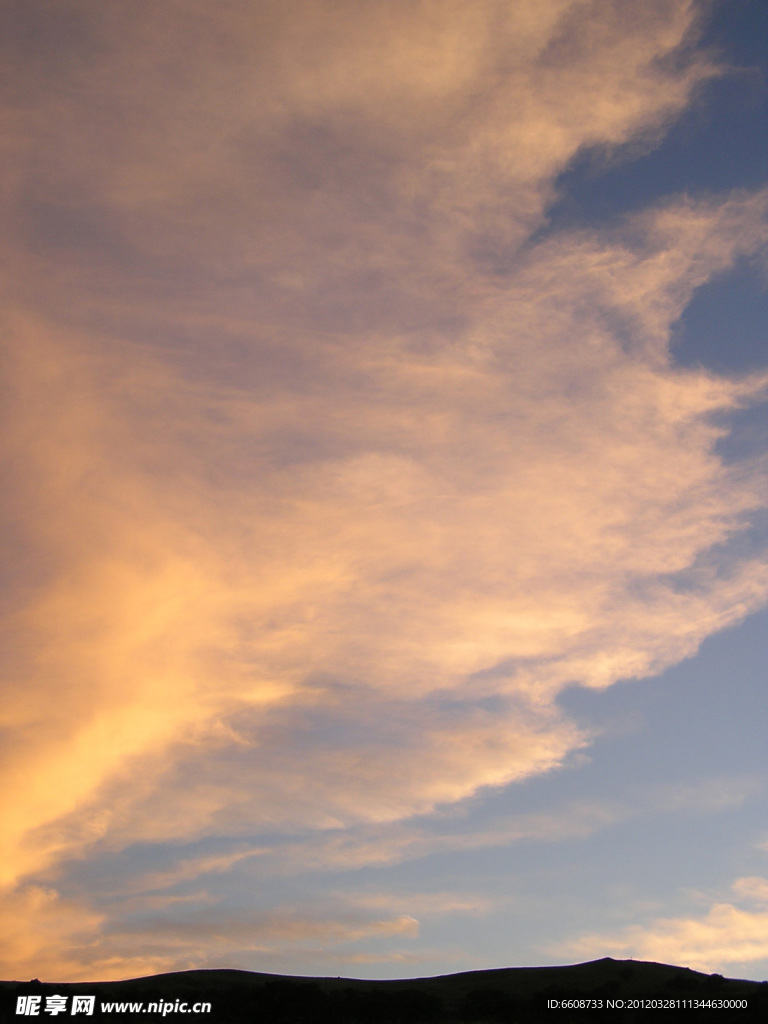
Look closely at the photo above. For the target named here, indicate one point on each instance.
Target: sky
(385, 473)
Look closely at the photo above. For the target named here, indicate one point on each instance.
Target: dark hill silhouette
(605, 990)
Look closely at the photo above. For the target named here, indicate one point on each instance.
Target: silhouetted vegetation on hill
(607, 990)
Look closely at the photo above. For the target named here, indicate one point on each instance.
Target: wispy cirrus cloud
(329, 473)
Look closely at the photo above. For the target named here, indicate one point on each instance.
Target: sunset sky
(385, 485)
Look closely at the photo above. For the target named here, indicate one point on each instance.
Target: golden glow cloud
(726, 935)
(328, 476)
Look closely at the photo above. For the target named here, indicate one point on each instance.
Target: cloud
(42, 934)
(45, 936)
(429, 903)
(495, 547)
(726, 935)
(279, 166)
(328, 474)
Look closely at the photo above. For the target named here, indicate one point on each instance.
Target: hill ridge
(606, 988)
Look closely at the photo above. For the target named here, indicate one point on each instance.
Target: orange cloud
(44, 936)
(725, 936)
(325, 485)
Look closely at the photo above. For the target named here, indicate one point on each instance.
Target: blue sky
(385, 431)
